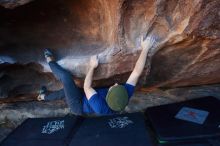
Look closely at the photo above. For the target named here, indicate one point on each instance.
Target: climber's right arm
(139, 66)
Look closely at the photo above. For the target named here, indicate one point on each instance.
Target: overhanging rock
(188, 32)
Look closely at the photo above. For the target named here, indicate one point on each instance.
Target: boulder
(187, 31)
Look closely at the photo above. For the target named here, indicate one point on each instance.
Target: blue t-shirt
(97, 103)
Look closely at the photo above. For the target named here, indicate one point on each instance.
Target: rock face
(188, 32)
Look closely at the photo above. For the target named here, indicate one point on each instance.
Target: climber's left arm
(139, 66)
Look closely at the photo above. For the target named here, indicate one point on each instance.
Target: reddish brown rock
(188, 32)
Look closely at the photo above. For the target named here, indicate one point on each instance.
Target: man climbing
(101, 101)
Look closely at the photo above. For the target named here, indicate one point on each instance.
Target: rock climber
(100, 101)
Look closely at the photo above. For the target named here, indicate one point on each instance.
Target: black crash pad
(42, 132)
(192, 119)
(124, 129)
(117, 130)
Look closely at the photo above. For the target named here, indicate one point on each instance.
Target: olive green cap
(117, 98)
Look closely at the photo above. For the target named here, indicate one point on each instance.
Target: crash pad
(193, 119)
(114, 130)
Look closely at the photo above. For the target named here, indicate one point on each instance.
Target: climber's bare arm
(89, 91)
(139, 66)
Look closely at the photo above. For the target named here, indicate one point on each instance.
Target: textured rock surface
(18, 79)
(188, 32)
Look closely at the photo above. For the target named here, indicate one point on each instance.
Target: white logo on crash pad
(119, 122)
(53, 126)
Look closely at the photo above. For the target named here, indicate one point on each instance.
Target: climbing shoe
(48, 55)
(41, 93)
